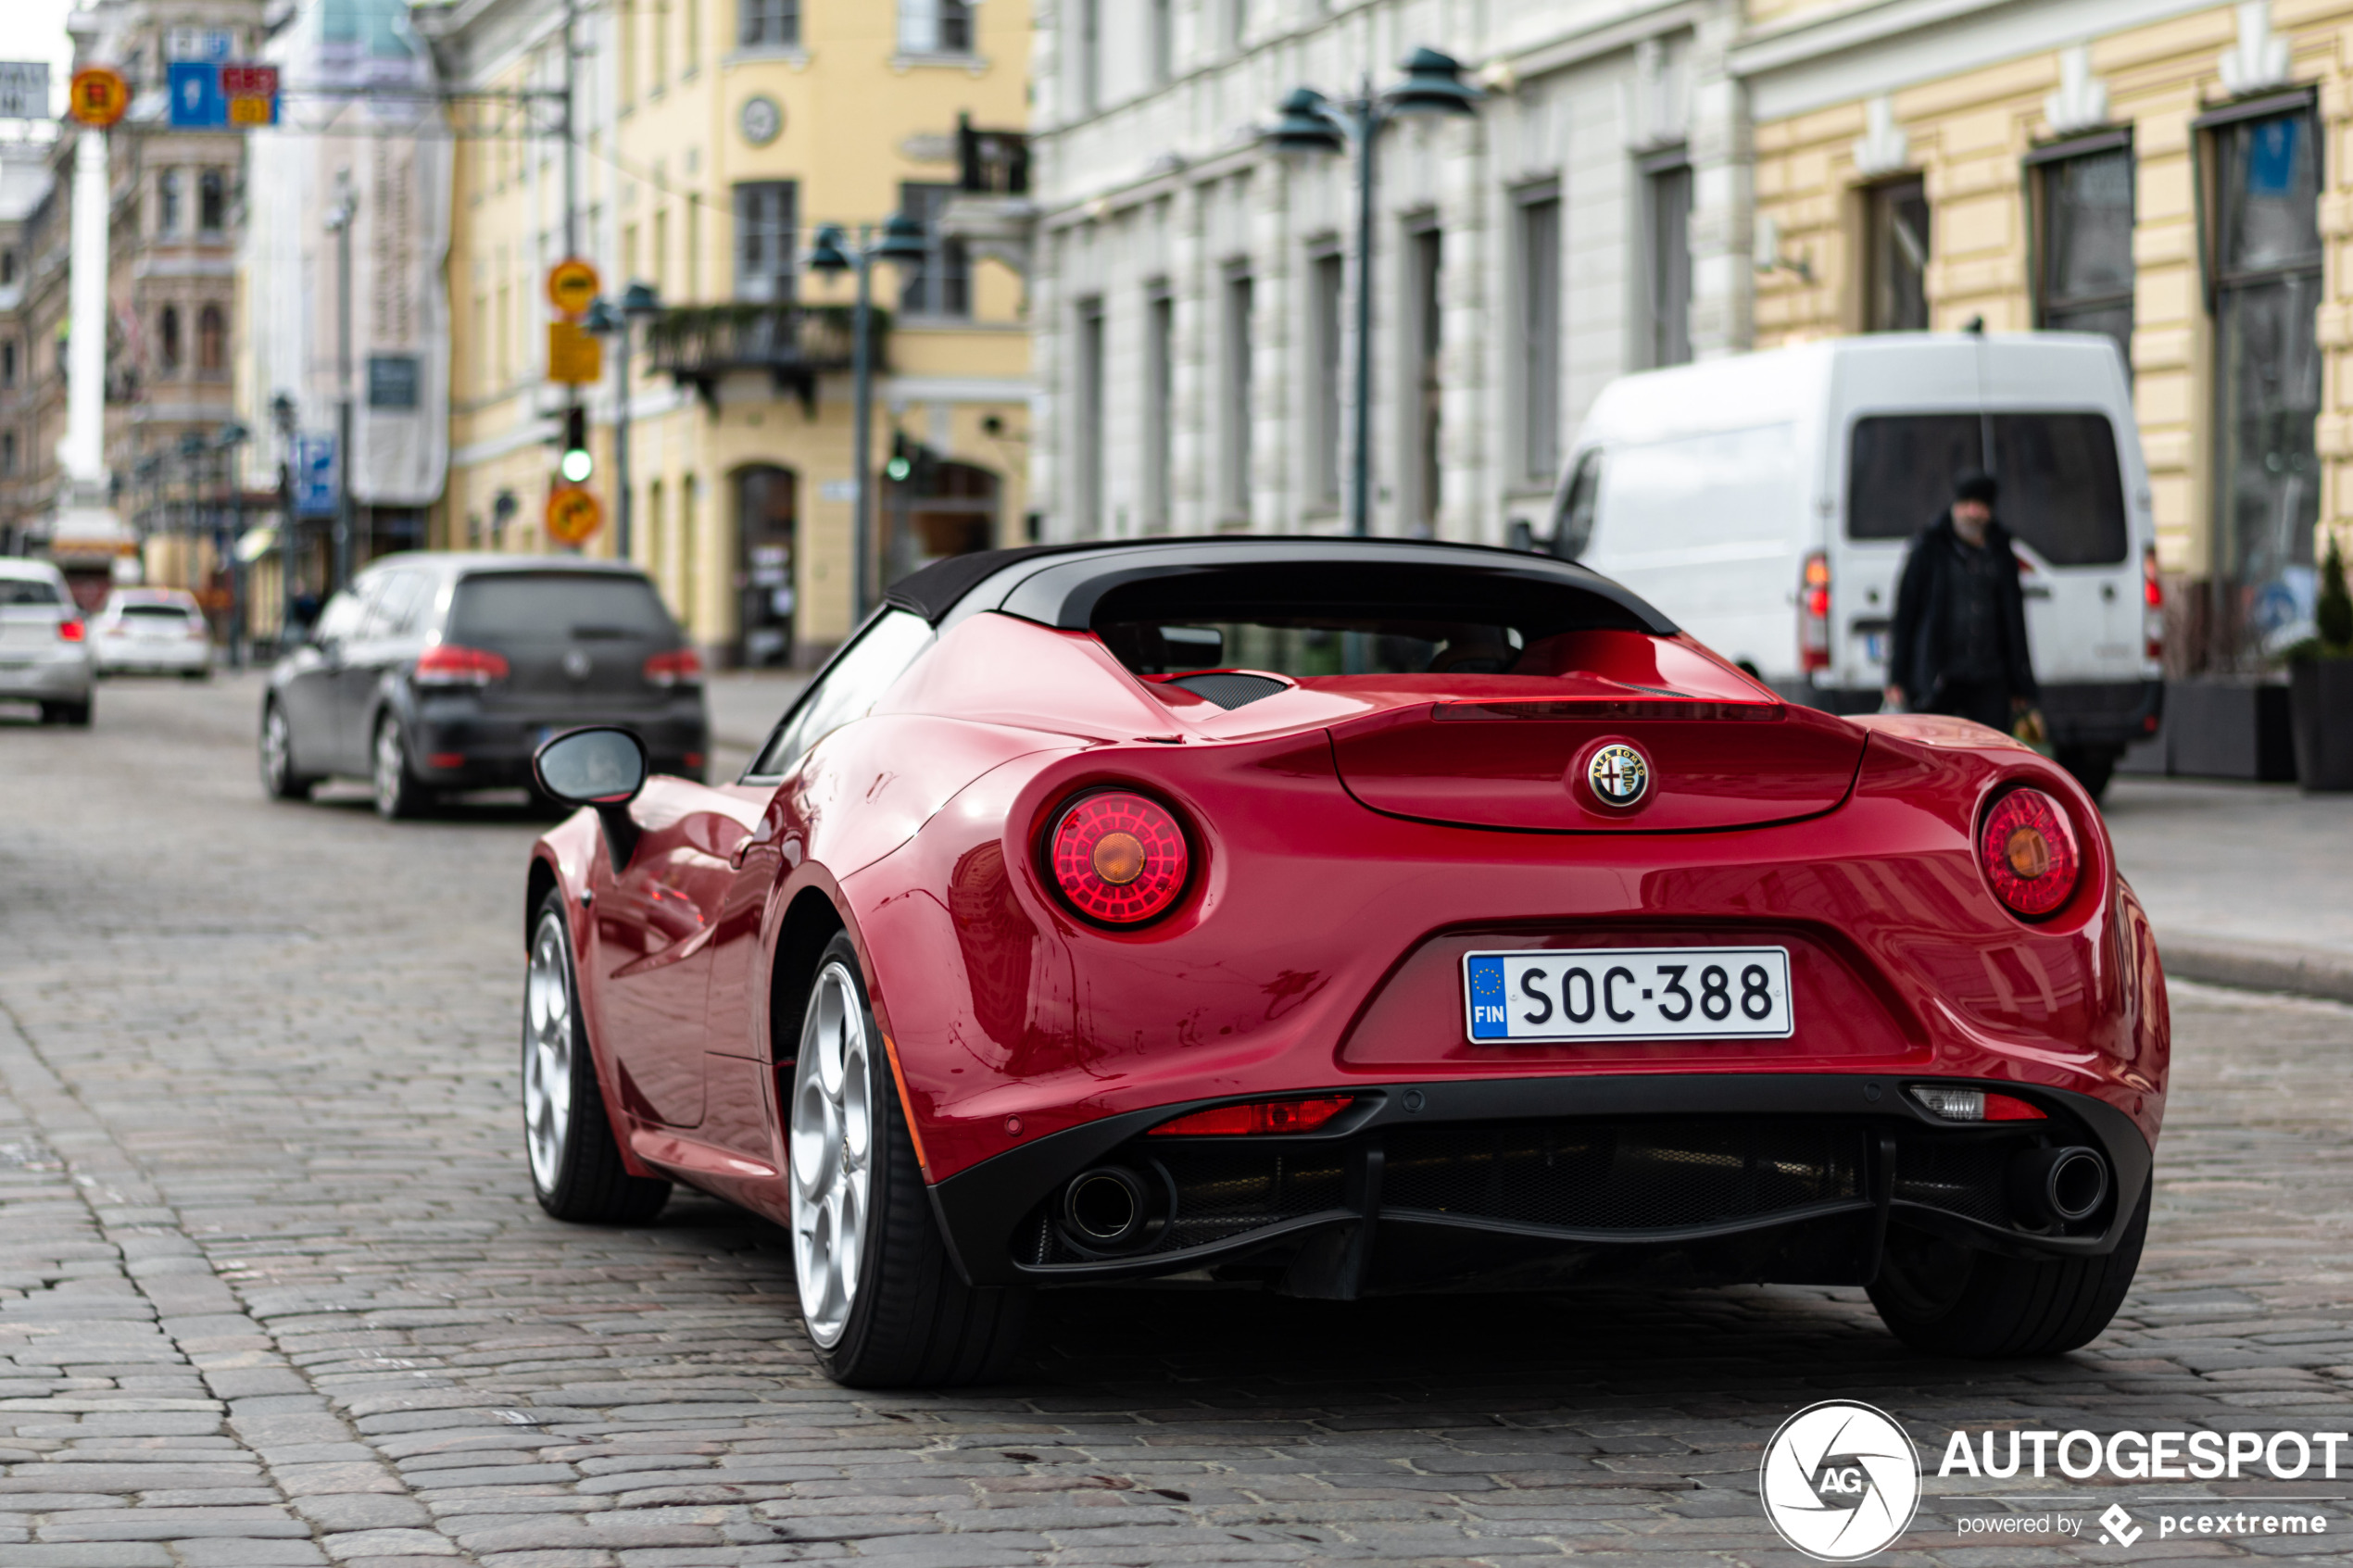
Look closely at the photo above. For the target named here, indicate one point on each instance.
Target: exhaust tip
(2057, 1185)
(1104, 1206)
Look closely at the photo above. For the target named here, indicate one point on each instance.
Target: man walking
(1959, 643)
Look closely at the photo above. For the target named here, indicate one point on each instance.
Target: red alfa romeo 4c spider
(1345, 916)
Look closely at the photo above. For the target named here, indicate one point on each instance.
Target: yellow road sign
(575, 355)
(99, 96)
(571, 285)
(572, 514)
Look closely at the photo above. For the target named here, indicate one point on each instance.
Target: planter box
(2229, 730)
(2322, 691)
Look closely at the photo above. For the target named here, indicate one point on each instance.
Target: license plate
(1628, 994)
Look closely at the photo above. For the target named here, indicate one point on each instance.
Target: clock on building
(761, 119)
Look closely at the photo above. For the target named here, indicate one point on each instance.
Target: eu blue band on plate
(1487, 999)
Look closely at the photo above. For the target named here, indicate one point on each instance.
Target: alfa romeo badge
(1618, 775)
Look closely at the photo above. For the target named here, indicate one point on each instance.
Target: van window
(2061, 490)
(1726, 494)
(1573, 525)
(2062, 493)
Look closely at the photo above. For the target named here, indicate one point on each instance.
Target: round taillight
(2029, 852)
(1119, 858)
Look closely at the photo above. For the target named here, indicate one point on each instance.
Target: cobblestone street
(273, 1290)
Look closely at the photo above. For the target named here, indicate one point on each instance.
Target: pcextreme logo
(1840, 1481)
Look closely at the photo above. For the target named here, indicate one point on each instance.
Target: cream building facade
(2174, 175)
(712, 139)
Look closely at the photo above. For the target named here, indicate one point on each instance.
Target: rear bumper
(455, 746)
(1788, 1178)
(47, 678)
(173, 657)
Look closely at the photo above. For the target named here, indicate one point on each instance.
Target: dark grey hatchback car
(440, 672)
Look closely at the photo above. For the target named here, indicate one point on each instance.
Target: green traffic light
(577, 466)
(898, 467)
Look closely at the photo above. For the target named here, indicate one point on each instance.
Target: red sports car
(1346, 916)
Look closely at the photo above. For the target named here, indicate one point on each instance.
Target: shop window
(1160, 402)
(1327, 286)
(1087, 464)
(1425, 258)
(1667, 201)
(1896, 250)
(1241, 348)
(1540, 332)
(2084, 208)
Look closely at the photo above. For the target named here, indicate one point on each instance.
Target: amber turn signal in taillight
(1259, 1116)
(1119, 858)
(2028, 851)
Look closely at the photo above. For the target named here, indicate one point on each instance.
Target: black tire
(579, 1176)
(280, 780)
(1946, 1299)
(73, 715)
(399, 793)
(2091, 766)
(913, 1321)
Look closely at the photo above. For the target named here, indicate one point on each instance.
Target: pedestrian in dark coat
(1958, 643)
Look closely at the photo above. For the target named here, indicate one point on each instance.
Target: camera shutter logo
(1840, 1481)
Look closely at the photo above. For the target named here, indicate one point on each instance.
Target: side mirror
(602, 768)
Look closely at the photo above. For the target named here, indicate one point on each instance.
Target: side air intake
(1230, 690)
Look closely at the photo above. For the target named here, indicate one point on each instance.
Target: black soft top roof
(1060, 585)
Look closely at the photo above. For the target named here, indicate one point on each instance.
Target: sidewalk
(2246, 884)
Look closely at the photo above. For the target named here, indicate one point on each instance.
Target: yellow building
(712, 138)
(2172, 174)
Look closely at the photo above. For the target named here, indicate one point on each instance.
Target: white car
(159, 631)
(44, 646)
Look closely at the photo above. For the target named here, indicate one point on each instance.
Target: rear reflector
(445, 759)
(1974, 1105)
(446, 664)
(1260, 1116)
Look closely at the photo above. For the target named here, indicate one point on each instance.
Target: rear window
(559, 607)
(1341, 620)
(157, 613)
(2062, 493)
(27, 591)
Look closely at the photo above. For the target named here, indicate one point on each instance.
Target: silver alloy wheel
(547, 1053)
(277, 751)
(390, 765)
(832, 1150)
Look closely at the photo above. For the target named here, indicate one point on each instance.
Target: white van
(1766, 503)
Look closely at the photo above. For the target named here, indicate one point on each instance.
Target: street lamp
(638, 300)
(1310, 125)
(900, 241)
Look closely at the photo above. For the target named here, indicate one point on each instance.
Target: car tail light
(1974, 1105)
(198, 629)
(446, 664)
(70, 630)
(1814, 615)
(1119, 858)
(1260, 1116)
(676, 667)
(2029, 852)
(2152, 606)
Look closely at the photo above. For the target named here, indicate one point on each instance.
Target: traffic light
(575, 465)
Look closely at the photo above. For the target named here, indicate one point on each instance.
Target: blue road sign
(197, 102)
(314, 475)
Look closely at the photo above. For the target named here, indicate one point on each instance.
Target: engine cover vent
(1231, 690)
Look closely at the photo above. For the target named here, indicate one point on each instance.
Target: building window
(942, 285)
(773, 24)
(2086, 205)
(661, 45)
(212, 342)
(212, 201)
(7, 267)
(689, 551)
(1241, 349)
(1895, 237)
(1327, 295)
(934, 27)
(626, 20)
(169, 186)
(1237, 20)
(1160, 404)
(1163, 39)
(692, 278)
(765, 216)
(2265, 250)
(1667, 239)
(1540, 332)
(1087, 457)
(7, 364)
(693, 9)
(7, 452)
(1090, 55)
(656, 545)
(662, 250)
(167, 338)
(1425, 323)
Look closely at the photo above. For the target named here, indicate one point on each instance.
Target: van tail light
(2028, 852)
(679, 667)
(70, 630)
(1261, 1116)
(1119, 858)
(1814, 615)
(2152, 606)
(446, 664)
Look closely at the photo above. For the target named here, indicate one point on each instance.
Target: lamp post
(282, 415)
(231, 437)
(1311, 125)
(901, 239)
(606, 320)
(339, 217)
